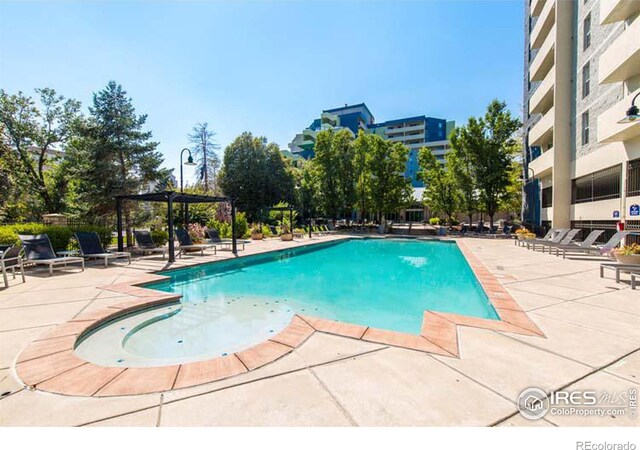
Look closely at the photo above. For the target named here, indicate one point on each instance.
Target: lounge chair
(146, 245)
(603, 249)
(274, 231)
(38, 251)
(326, 230)
(555, 237)
(215, 239)
(187, 245)
(565, 240)
(586, 243)
(10, 259)
(91, 248)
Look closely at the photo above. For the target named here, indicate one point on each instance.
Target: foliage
(334, 172)
(441, 192)
(463, 176)
(112, 155)
(434, 221)
(255, 175)
(256, 228)
(488, 145)
(205, 150)
(385, 163)
(60, 236)
(196, 232)
(522, 231)
(30, 136)
(282, 217)
(224, 227)
(160, 237)
(627, 250)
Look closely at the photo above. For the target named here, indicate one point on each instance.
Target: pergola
(171, 197)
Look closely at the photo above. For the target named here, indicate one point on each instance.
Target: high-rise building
(414, 132)
(582, 72)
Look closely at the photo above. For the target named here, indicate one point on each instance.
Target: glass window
(586, 78)
(585, 128)
(586, 31)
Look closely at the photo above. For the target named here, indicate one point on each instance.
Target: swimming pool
(231, 305)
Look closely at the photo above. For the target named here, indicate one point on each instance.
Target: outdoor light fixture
(632, 113)
(190, 161)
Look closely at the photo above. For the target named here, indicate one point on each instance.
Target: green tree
(113, 155)
(489, 144)
(254, 174)
(326, 171)
(361, 172)
(442, 193)
(32, 134)
(386, 162)
(463, 174)
(205, 149)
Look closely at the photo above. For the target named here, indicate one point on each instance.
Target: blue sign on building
(634, 210)
(616, 214)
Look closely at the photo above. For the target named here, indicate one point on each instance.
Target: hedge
(61, 236)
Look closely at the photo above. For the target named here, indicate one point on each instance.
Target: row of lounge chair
(562, 240)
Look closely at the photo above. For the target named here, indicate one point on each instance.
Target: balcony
(542, 132)
(536, 7)
(543, 164)
(621, 60)
(542, 99)
(405, 129)
(616, 10)
(609, 130)
(543, 26)
(544, 60)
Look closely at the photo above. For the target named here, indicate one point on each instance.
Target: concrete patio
(592, 341)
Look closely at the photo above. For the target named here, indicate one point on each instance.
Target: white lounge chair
(586, 243)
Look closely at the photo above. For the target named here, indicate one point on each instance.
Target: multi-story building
(582, 71)
(414, 132)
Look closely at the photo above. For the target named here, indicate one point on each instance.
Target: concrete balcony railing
(621, 60)
(544, 60)
(609, 130)
(543, 164)
(616, 10)
(542, 132)
(542, 99)
(543, 26)
(536, 7)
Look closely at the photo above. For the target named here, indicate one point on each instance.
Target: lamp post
(633, 113)
(189, 162)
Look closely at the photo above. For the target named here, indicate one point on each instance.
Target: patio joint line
(3, 308)
(571, 383)
(340, 406)
(243, 383)
(159, 418)
(473, 379)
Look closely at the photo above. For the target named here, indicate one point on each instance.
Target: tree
(361, 172)
(386, 162)
(489, 144)
(463, 175)
(325, 163)
(205, 150)
(254, 174)
(112, 154)
(32, 134)
(441, 192)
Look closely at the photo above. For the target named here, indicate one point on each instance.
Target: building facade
(414, 132)
(582, 70)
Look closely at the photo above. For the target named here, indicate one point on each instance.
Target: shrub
(160, 237)
(196, 232)
(266, 231)
(224, 228)
(434, 221)
(628, 250)
(61, 237)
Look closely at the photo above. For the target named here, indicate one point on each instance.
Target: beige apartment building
(582, 71)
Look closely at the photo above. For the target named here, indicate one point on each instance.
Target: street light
(632, 113)
(190, 162)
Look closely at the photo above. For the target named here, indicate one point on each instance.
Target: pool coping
(49, 363)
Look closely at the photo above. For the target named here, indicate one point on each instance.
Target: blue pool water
(228, 306)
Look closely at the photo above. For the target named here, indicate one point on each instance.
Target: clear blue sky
(269, 68)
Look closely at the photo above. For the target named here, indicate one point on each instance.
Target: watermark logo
(533, 403)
